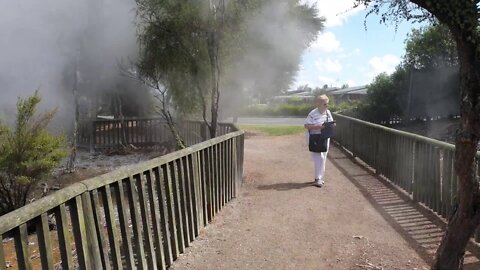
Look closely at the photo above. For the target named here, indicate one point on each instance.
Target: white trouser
(319, 161)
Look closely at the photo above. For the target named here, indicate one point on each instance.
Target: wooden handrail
(165, 200)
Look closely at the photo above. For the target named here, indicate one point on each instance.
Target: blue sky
(345, 53)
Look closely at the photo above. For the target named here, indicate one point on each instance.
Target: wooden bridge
(144, 216)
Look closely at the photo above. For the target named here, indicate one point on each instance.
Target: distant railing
(137, 217)
(421, 166)
(139, 132)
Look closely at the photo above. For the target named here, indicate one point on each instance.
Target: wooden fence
(140, 132)
(421, 166)
(137, 217)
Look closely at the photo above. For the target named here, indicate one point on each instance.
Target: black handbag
(327, 131)
(317, 144)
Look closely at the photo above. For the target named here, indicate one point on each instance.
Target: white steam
(42, 40)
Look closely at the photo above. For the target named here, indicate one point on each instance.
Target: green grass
(274, 130)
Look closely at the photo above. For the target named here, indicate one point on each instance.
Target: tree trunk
(467, 217)
(213, 42)
(73, 151)
(214, 111)
(123, 127)
(179, 141)
(214, 70)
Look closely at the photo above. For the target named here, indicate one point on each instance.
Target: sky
(345, 53)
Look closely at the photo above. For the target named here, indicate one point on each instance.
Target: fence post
(92, 136)
(93, 246)
(203, 131)
(352, 128)
(416, 177)
(375, 152)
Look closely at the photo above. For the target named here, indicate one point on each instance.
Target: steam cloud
(42, 42)
(282, 38)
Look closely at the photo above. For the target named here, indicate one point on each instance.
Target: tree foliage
(461, 17)
(183, 45)
(382, 102)
(430, 47)
(194, 48)
(28, 154)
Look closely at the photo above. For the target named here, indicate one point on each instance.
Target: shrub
(28, 154)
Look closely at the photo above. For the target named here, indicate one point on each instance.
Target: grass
(274, 130)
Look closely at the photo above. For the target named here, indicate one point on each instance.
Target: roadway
(270, 121)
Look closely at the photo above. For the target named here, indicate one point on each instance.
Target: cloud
(326, 42)
(379, 64)
(386, 63)
(336, 12)
(326, 80)
(351, 83)
(310, 77)
(328, 65)
(351, 53)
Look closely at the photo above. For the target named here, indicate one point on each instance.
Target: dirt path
(281, 221)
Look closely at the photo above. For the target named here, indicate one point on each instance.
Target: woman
(314, 125)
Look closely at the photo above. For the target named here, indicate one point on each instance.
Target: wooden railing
(140, 132)
(421, 166)
(137, 217)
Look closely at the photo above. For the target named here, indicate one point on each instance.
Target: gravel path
(281, 221)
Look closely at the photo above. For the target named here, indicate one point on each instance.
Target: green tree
(430, 47)
(28, 154)
(193, 48)
(183, 47)
(461, 17)
(382, 100)
(427, 48)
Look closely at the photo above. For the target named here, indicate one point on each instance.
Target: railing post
(375, 152)
(90, 227)
(21, 247)
(64, 242)
(79, 232)
(352, 129)
(133, 201)
(196, 180)
(416, 177)
(92, 136)
(44, 242)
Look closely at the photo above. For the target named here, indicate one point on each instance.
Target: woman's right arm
(313, 126)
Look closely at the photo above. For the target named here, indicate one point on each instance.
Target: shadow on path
(286, 186)
(422, 229)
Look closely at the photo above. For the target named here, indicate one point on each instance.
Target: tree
(183, 44)
(430, 47)
(461, 17)
(156, 83)
(28, 154)
(196, 47)
(382, 100)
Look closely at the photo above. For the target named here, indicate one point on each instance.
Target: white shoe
(319, 183)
